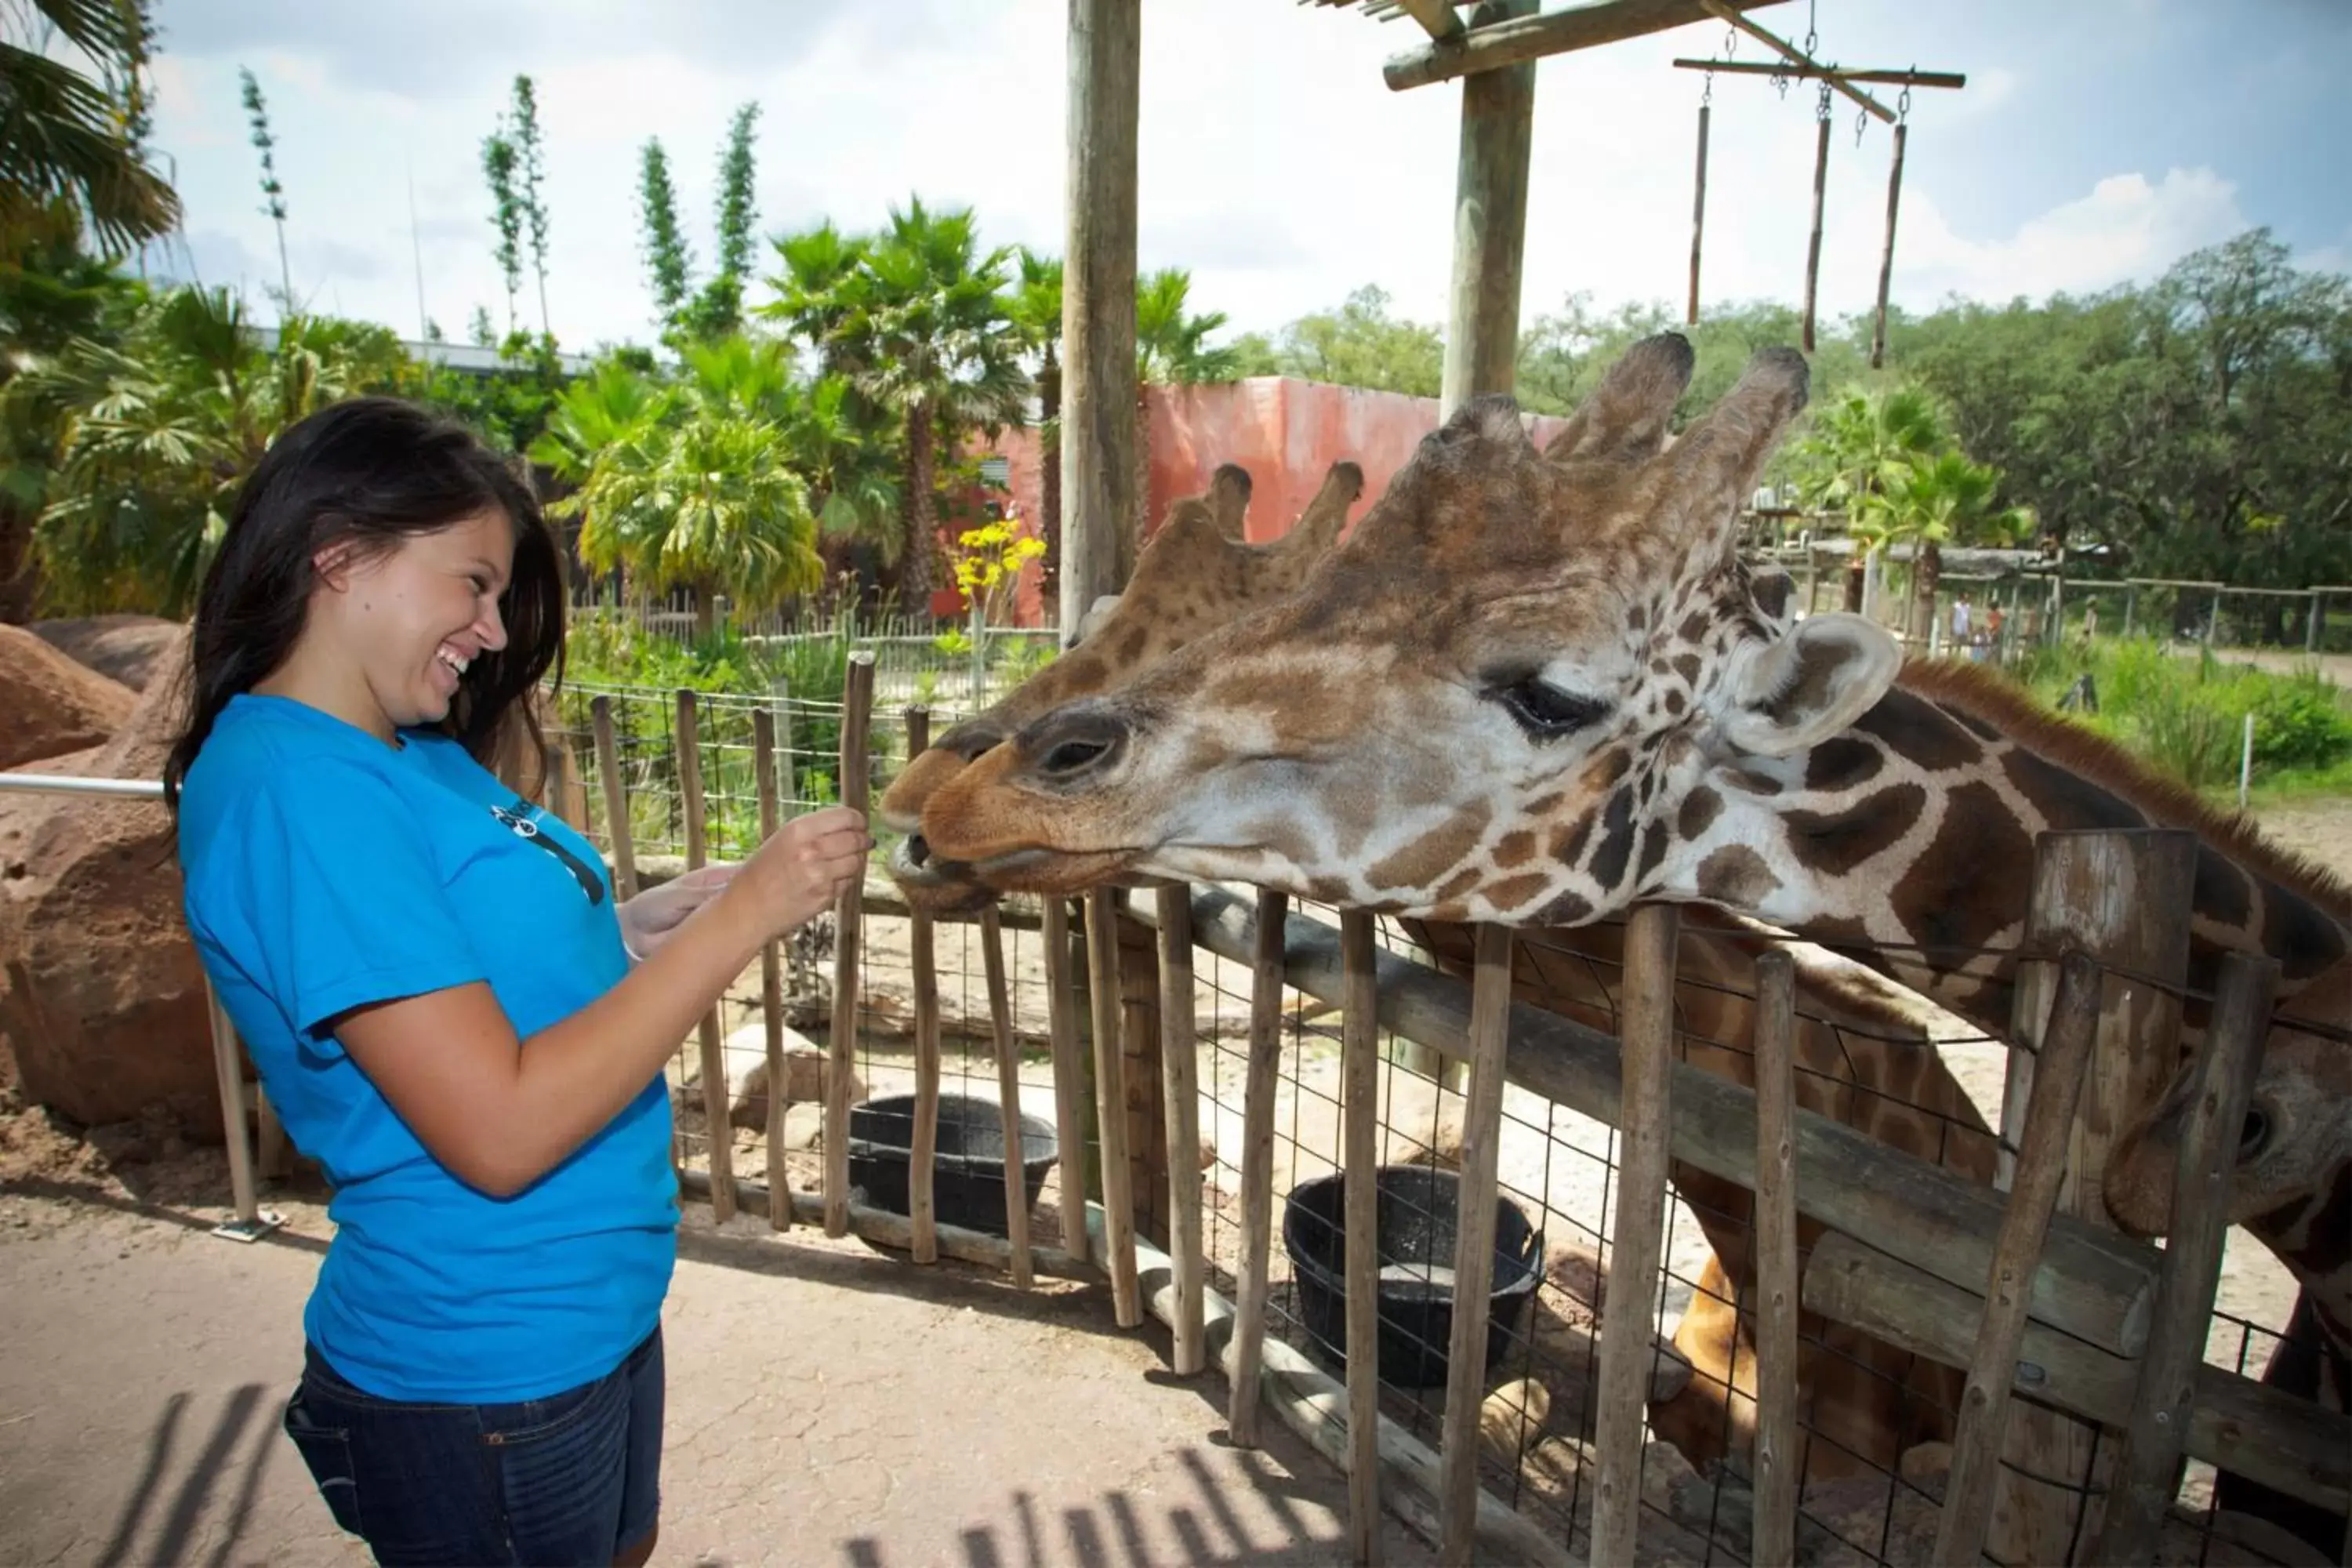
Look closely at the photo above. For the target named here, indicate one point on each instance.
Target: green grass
(2185, 714)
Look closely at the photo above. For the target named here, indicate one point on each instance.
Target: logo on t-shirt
(519, 818)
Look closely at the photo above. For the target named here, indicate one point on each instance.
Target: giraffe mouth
(1053, 871)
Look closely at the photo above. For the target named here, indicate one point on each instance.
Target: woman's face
(412, 619)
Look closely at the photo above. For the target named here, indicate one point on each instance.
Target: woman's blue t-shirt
(325, 870)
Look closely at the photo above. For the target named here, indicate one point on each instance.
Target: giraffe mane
(1999, 701)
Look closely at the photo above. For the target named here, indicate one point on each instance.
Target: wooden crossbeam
(1811, 73)
(1523, 38)
(1437, 17)
(1722, 11)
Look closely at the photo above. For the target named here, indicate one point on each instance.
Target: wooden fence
(2069, 1332)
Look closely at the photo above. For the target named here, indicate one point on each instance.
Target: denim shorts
(570, 1478)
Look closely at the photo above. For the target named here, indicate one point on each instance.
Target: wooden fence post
(719, 1137)
(922, 962)
(771, 982)
(1069, 1075)
(1359, 1204)
(2206, 1159)
(1474, 1247)
(1180, 1097)
(1257, 1165)
(2124, 897)
(1111, 1089)
(1008, 1093)
(1774, 1541)
(1644, 1123)
(848, 915)
(616, 802)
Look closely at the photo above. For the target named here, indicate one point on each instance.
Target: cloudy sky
(2096, 141)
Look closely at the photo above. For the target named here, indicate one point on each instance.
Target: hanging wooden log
(1698, 219)
(1257, 1166)
(1008, 1093)
(922, 962)
(772, 979)
(1813, 246)
(1886, 258)
(848, 920)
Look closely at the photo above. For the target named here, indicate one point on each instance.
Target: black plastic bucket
(1417, 1218)
(966, 1165)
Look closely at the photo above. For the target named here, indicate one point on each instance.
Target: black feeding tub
(1417, 1216)
(967, 1164)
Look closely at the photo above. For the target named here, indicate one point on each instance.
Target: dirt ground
(147, 1359)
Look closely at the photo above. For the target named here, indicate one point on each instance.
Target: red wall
(1286, 433)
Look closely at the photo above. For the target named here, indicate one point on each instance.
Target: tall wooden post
(1490, 221)
(1100, 507)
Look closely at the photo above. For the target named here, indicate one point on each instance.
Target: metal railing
(252, 1221)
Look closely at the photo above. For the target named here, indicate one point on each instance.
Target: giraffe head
(1510, 696)
(1194, 576)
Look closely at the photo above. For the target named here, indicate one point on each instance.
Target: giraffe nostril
(919, 850)
(2254, 1134)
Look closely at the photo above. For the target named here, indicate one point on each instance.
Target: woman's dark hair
(370, 472)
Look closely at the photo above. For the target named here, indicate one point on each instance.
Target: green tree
(1360, 344)
(273, 193)
(158, 430)
(500, 163)
(668, 263)
(719, 309)
(531, 165)
(71, 154)
(1035, 307)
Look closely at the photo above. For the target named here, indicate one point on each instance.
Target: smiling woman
(442, 998)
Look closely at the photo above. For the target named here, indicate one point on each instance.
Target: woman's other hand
(647, 919)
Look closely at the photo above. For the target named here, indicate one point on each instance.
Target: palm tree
(157, 431)
(1036, 309)
(1858, 448)
(690, 486)
(1947, 498)
(928, 337)
(69, 145)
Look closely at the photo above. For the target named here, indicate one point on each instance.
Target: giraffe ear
(1803, 687)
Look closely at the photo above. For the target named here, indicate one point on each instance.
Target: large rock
(102, 1010)
(124, 648)
(50, 705)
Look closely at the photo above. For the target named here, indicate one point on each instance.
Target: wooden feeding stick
(922, 960)
(718, 1136)
(1008, 1094)
(1257, 1165)
(771, 980)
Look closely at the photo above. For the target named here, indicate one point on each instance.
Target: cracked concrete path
(826, 1404)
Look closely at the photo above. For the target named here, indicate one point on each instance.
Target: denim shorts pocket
(536, 1420)
(327, 1451)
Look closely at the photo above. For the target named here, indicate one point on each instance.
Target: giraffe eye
(1544, 711)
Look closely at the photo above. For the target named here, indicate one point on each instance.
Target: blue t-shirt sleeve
(337, 895)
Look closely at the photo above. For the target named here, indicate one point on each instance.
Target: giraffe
(1862, 1055)
(1534, 688)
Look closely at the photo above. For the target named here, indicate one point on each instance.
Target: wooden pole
(719, 1137)
(1813, 73)
(2066, 1046)
(1008, 1092)
(1533, 38)
(772, 979)
(1069, 1076)
(922, 962)
(1644, 1119)
(1474, 1245)
(2124, 898)
(1099, 507)
(2206, 1160)
(1813, 243)
(1886, 258)
(857, 719)
(1774, 1544)
(1698, 217)
(1722, 11)
(1181, 1100)
(1110, 1104)
(1140, 1061)
(1257, 1167)
(1359, 1203)
(616, 803)
(1490, 222)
